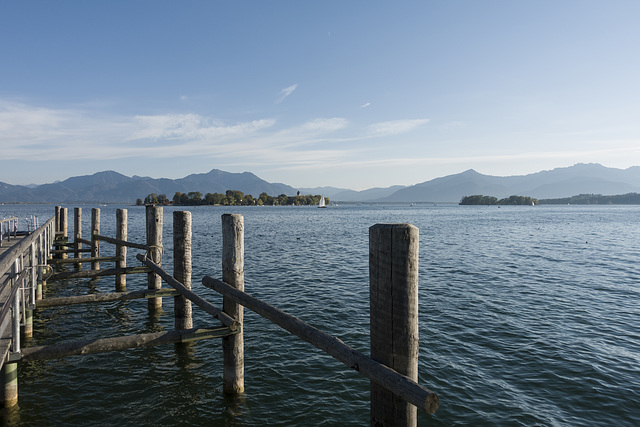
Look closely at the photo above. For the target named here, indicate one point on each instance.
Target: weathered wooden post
(57, 220)
(121, 250)
(10, 384)
(182, 267)
(393, 287)
(15, 271)
(95, 243)
(64, 229)
(57, 234)
(77, 234)
(41, 261)
(31, 295)
(233, 274)
(154, 241)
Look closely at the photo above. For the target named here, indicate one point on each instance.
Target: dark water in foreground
(528, 316)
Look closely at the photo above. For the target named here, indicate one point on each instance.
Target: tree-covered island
(479, 199)
(581, 199)
(595, 199)
(230, 198)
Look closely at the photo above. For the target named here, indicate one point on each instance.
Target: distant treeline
(479, 199)
(230, 198)
(595, 199)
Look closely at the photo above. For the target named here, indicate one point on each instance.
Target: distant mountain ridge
(560, 182)
(113, 187)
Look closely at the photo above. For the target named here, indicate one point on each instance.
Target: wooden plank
(109, 297)
(87, 274)
(103, 345)
(81, 260)
(122, 242)
(69, 251)
(399, 384)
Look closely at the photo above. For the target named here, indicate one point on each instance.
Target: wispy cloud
(365, 105)
(395, 127)
(285, 93)
(191, 127)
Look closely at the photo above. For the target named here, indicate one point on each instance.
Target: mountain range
(113, 187)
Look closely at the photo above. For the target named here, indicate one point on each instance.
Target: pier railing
(392, 366)
(21, 274)
(8, 226)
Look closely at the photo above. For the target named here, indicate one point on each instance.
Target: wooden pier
(393, 261)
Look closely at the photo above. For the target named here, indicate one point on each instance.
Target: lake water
(528, 316)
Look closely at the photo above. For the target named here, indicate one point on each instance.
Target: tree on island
(479, 199)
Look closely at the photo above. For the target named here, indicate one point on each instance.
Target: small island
(479, 199)
(595, 199)
(230, 198)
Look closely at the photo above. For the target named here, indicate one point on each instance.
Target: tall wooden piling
(95, 243)
(77, 234)
(233, 274)
(10, 384)
(30, 292)
(393, 287)
(154, 241)
(64, 229)
(57, 220)
(121, 250)
(182, 267)
(40, 264)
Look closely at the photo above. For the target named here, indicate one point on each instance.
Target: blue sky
(352, 94)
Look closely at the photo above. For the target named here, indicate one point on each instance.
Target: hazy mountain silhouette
(556, 183)
(113, 187)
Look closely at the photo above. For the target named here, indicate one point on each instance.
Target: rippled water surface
(528, 316)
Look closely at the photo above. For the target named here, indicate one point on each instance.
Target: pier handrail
(8, 258)
(21, 273)
(6, 308)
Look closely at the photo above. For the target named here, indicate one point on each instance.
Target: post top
(393, 226)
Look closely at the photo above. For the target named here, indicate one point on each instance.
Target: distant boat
(322, 203)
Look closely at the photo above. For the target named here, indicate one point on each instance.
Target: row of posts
(393, 268)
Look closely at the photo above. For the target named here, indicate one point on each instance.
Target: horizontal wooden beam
(197, 300)
(399, 384)
(103, 345)
(69, 251)
(97, 273)
(121, 242)
(109, 297)
(84, 260)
